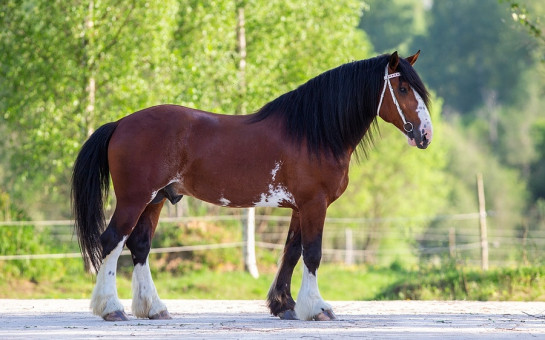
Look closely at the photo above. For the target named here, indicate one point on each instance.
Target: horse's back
(201, 152)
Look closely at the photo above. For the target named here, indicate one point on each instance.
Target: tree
(471, 56)
(281, 46)
(392, 25)
(65, 68)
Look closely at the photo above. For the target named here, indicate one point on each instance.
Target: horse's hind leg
(145, 300)
(104, 301)
(279, 299)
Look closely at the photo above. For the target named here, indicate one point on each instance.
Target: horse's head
(405, 102)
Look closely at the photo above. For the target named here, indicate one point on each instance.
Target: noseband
(407, 126)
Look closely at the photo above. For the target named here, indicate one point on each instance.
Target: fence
(352, 240)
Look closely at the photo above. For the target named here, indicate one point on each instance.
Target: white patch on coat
(309, 301)
(145, 300)
(224, 201)
(274, 171)
(275, 196)
(104, 300)
(425, 120)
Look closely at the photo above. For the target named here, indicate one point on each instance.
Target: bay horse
(294, 153)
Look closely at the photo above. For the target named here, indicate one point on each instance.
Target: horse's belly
(241, 189)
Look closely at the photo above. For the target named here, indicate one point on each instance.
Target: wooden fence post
(482, 222)
(248, 236)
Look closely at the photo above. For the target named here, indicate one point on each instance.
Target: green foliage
(281, 49)
(16, 240)
(349, 283)
(469, 56)
(458, 283)
(197, 233)
(392, 25)
(50, 53)
(396, 180)
(536, 183)
(67, 67)
(527, 18)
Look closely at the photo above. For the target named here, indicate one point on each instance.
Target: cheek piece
(407, 126)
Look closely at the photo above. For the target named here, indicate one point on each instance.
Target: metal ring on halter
(408, 129)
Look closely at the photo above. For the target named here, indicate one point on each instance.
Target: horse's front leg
(310, 305)
(145, 300)
(279, 299)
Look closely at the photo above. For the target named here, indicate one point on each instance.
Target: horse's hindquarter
(220, 159)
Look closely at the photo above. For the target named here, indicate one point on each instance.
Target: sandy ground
(207, 319)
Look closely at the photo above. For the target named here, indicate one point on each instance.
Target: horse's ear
(393, 62)
(412, 59)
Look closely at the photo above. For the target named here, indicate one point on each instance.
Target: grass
(337, 282)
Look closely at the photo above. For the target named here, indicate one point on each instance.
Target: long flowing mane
(334, 111)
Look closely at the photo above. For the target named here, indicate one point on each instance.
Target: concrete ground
(208, 319)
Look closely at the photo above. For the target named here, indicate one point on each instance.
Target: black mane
(333, 111)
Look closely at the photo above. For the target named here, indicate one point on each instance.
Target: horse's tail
(90, 186)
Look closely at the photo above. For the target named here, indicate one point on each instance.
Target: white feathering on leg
(104, 300)
(145, 300)
(309, 301)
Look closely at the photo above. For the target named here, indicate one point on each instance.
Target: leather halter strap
(407, 126)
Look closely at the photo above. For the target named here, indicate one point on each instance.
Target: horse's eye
(403, 89)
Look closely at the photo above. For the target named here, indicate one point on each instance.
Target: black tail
(90, 185)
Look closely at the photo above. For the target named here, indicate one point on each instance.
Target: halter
(407, 126)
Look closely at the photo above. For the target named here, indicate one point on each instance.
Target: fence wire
(272, 232)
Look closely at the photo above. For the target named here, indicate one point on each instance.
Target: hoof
(326, 315)
(118, 315)
(288, 315)
(162, 315)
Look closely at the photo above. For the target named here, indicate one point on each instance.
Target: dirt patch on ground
(204, 319)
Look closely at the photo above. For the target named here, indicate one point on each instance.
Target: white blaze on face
(425, 121)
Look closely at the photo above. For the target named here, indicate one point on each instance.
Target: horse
(293, 153)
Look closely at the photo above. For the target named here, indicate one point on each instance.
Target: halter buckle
(408, 127)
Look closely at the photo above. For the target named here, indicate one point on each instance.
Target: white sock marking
(145, 300)
(104, 299)
(309, 301)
